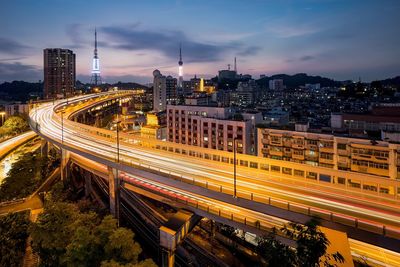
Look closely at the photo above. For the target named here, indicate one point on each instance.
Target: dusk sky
(343, 39)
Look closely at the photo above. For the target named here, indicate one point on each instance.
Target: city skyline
(336, 39)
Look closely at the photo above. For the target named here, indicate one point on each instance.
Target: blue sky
(341, 39)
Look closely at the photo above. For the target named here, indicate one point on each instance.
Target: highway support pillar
(212, 226)
(64, 164)
(113, 190)
(88, 182)
(339, 242)
(44, 148)
(173, 232)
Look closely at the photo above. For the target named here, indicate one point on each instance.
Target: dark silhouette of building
(59, 72)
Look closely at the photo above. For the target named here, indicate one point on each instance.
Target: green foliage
(311, 249)
(16, 124)
(52, 232)
(276, 253)
(64, 236)
(13, 235)
(25, 176)
(121, 247)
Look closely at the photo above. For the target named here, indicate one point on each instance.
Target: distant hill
(24, 91)
(391, 81)
(299, 79)
(130, 85)
(19, 90)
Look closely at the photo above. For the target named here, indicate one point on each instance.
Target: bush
(16, 124)
(13, 235)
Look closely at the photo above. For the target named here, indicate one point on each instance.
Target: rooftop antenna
(229, 66)
(235, 65)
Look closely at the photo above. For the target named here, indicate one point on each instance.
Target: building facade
(16, 109)
(164, 91)
(209, 127)
(339, 153)
(276, 84)
(159, 91)
(59, 72)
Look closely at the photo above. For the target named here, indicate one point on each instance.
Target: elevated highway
(201, 179)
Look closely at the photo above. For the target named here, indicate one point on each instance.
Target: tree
(121, 247)
(13, 235)
(51, 234)
(16, 124)
(25, 176)
(311, 247)
(64, 236)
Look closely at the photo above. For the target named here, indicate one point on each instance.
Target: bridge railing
(362, 224)
(294, 207)
(358, 183)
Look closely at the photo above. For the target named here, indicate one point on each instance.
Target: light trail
(374, 212)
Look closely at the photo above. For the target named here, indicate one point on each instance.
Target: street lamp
(2, 117)
(62, 127)
(36, 121)
(118, 122)
(234, 166)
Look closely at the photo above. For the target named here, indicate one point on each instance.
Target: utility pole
(234, 167)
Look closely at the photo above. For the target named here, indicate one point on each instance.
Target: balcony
(370, 170)
(287, 154)
(343, 164)
(311, 157)
(275, 153)
(297, 156)
(326, 149)
(311, 147)
(276, 143)
(287, 143)
(328, 161)
(297, 146)
(342, 152)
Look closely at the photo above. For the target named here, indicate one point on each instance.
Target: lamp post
(62, 127)
(234, 167)
(118, 122)
(36, 122)
(117, 181)
(2, 117)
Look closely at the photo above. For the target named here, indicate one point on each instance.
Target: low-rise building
(155, 126)
(210, 127)
(380, 118)
(335, 152)
(16, 109)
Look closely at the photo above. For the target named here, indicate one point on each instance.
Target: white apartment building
(335, 152)
(209, 127)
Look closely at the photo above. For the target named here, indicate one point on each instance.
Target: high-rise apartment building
(59, 72)
(159, 91)
(164, 91)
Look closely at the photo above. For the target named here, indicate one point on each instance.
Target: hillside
(299, 79)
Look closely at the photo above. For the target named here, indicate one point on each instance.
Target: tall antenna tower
(180, 68)
(96, 78)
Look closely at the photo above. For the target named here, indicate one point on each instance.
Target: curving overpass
(201, 180)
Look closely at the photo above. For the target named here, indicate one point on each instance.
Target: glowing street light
(2, 117)
(62, 127)
(234, 166)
